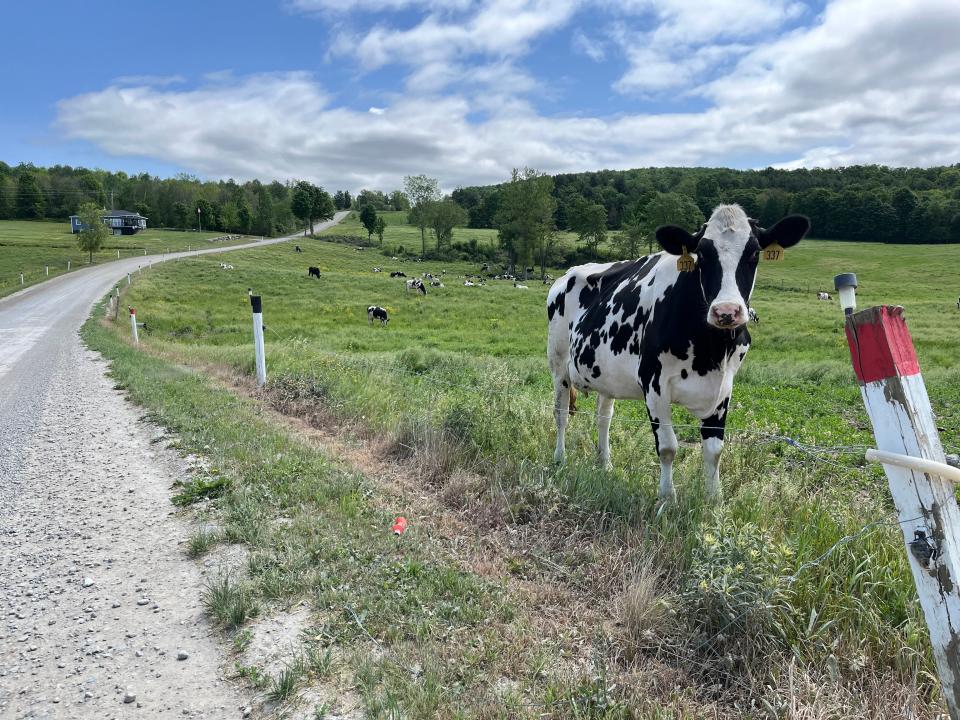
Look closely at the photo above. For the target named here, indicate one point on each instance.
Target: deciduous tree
(94, 232)
(420, 190)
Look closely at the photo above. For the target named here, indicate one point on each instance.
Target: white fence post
(21, 278)
(893, 392)
(68, 266)
(118, 253)
(257, 308)
(128, 279)
(133, 326)
(46, 269)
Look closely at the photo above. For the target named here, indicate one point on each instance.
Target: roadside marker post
(908, 445)
(118, 253)
(257, 307)
(68, 266)
(46, 269)
(133, 326)
(21, 278)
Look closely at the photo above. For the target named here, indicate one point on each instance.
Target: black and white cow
(297, 249)
(398, 273)
(375, 312)
(823, 295)
(313, 272)
(416, 284)
(641, 329)
(754, 317)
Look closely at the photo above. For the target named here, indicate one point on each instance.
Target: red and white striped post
(905, 430)
(133, 326)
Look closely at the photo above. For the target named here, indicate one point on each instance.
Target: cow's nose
(726, 314)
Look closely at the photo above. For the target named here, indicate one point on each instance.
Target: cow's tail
(573, 400)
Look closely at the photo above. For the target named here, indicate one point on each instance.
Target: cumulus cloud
(864, 82)
(688, 38)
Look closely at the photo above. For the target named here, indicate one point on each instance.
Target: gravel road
(101, 611)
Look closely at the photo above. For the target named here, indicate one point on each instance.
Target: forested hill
(867, 203)
(864, 202)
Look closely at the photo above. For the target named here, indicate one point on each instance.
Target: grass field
(30, 247)
(559, 592)
(403, 238)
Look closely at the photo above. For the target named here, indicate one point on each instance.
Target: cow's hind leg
(711, 436)
(662, 423)
(604, 416)
(561, 408)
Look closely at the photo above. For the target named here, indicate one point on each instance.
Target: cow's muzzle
(727, 315)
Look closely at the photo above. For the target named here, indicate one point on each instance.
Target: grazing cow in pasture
(754, 318)
(958, 303)
(641, 329)
(226, 266)
(297, 248)
(468, 283)
(416, 284)
(376, 269)
(398, 273)
(375, 312)
(313, 272)
(436, 282)
(520, 287)
(823, 296)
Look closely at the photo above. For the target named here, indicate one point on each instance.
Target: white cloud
(868, 82)
(376, 111)
(498, 28)
(591, 47)
(689, 38)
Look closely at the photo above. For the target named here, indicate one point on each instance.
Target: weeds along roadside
(708, 586)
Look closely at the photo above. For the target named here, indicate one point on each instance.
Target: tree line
(29, 192)
(866, 203)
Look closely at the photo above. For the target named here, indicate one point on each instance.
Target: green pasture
(28, 247)
(460, 378)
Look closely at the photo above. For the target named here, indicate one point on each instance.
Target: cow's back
(597, 314)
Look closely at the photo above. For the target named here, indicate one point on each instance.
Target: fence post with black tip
(257, 307)
(920, 481)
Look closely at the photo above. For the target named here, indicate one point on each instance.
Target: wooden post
(893, 392)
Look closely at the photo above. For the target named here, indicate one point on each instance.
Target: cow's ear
(786, 233)
(674, 239)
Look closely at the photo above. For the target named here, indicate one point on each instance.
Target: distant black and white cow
(416, 284)
(754, 318)
(823, 296)
(641, 329)
(297, 248)
(313, 272)
(376, 269)
(398, 273)
(375, 312)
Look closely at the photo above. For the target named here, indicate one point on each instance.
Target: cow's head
(728, 248)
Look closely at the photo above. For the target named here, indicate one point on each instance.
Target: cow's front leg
(658, 408)
(711, 436)
(604, 416)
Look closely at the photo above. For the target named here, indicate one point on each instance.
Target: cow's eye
(755, 257)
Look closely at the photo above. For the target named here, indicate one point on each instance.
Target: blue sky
(358, 93)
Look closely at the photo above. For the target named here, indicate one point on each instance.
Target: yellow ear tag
(773, 253)
(686, 263)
